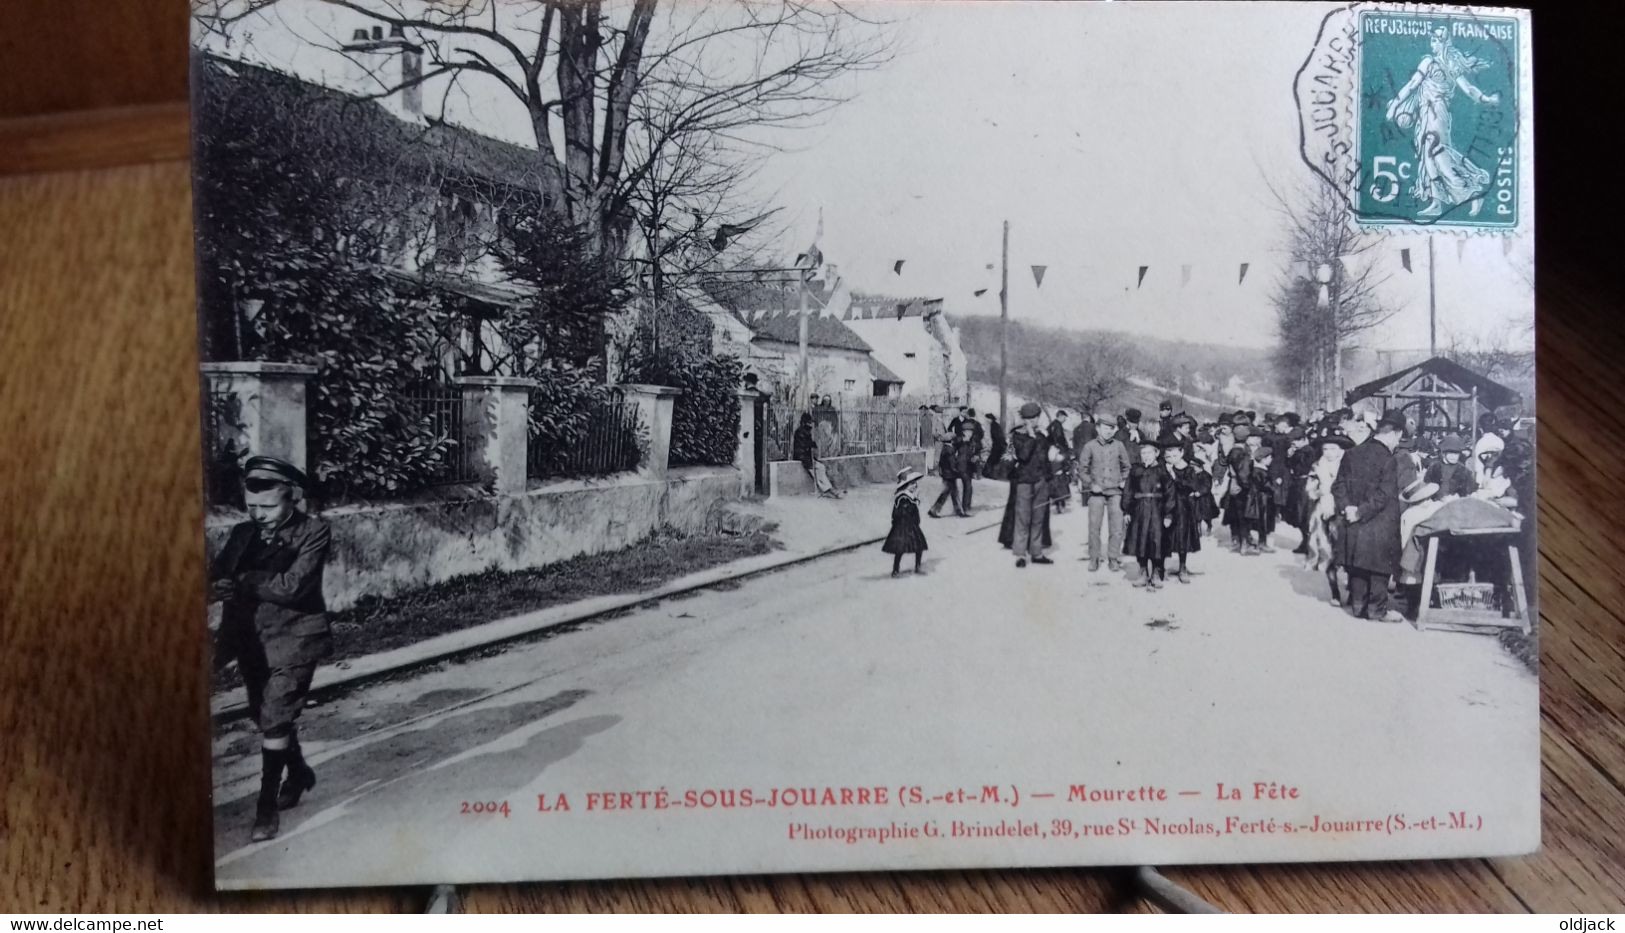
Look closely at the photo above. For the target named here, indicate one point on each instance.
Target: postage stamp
(1414, 114)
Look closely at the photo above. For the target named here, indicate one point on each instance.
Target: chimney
(393, 61)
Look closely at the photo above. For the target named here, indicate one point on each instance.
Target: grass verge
(381, 623)
(1526, 648)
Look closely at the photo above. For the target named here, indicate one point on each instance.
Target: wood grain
(68, 55)
(103, 768)
(95, 139)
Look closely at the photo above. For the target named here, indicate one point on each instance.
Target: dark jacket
(1454, 479)
(995, 451)
(279, 590)
(1032, 456)
(1056, 432)
(802, 447)
(1369, 480)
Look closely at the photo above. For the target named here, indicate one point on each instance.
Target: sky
(1110, 136)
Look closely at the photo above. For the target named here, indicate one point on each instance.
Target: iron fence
(846, 432)
(441, 407)
(223, 448)
(608, 443)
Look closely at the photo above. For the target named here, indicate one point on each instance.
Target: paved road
(974, 674)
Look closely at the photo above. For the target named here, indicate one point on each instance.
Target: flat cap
(274, 470)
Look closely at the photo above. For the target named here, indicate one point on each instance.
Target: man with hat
(1030, 474)
(1130, 434)
(1367, 496)
(1165, 421)
(268, 576)
(1300, 457)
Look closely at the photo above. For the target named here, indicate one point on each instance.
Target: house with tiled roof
(839, 362)
(446, 183)
(913, 337)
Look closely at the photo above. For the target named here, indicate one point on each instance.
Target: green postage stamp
(1414, 114)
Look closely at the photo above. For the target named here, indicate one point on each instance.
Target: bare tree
(612, 94)
(1500, 356)
(1081, 373)
(1330, 294)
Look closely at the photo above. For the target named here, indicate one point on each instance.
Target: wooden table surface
(104, 767)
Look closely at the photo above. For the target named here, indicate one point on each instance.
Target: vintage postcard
(656, 437)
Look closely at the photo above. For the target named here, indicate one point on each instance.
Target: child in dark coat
(1146, 499)
(1259, 502)
(905, 536)
(1189, 487)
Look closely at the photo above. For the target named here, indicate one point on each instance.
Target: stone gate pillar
(269, 414)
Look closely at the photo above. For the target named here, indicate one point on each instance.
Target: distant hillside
(1144, 370)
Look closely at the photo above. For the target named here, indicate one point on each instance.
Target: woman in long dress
(1445, 177)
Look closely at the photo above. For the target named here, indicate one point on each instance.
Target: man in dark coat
(1130, 433)
(995, 441)
(978, 448)
(1367, 496)
(1029, 449)
(273, 623)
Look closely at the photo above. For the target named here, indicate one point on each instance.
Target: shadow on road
(404, 759)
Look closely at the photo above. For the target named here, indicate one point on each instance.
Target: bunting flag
(1405, 259)
(980, 292)
(897, 267)
(990, 267)
(1038, 276)
(1184, 275)
(1461, 244)
(1243, 277)
(1141, 280)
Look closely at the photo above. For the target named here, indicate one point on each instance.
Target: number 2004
(485, 807)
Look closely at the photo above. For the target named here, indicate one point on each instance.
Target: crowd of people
(1353, 485)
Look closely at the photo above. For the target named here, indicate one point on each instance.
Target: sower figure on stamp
(274, 623)
(1367, 493)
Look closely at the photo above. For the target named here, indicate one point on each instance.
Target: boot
(266, 822)
(301, 777)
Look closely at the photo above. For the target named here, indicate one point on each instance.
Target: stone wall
(789, 478)
(381, 550)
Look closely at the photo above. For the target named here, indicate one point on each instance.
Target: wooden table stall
(1515, 613)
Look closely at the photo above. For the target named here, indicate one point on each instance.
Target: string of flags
(1320, 274)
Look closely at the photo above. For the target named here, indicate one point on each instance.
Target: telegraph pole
(801, 338)
(1433, 320)
(1004, 328)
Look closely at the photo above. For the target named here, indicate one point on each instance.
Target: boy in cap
(1104, 465)
(273, 623)
(1258, 504)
